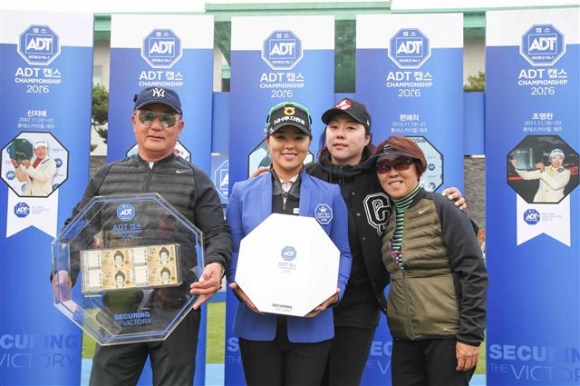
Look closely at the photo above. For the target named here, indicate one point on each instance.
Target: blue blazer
(251, 203)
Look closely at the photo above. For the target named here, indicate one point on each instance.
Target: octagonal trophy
(288, 265)
(131, 261)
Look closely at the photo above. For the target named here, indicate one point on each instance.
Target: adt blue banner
(45, 123)
(169, 51)
(409, 73)
(532, 142)
(173, 51)
(273, 60)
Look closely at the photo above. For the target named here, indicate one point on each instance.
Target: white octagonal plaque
(288, 265)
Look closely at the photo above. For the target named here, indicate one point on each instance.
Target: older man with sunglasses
(157, 122)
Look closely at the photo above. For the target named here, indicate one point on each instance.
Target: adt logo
(542, 45)
(288, 253)
(125, 212)
(409, 48)
(38, 45)
(21, 209)
(282, 50)
(532, 216)
(161, 48)
(323, 214)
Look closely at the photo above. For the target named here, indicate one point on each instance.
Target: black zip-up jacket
(183, 185)
(368, 211)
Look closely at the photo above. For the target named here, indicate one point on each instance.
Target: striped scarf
(401, 206)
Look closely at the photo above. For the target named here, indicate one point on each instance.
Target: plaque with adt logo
(131, 261)
(288, 265)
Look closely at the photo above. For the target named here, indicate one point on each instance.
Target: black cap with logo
(289, 114)
(164, 96)
(354, 109)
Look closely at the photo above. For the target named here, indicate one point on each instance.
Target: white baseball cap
(556, 152)
(40, 143)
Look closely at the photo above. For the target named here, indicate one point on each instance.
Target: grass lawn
(216, 332)
(480, 369)
(216, 326)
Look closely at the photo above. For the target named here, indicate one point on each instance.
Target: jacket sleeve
(209, 218)
(234, 219)
(45, 171)
(339, 235)
(470, 273)
(528, 174)
(557, 181)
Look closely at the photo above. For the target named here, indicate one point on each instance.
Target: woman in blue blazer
(278, 349)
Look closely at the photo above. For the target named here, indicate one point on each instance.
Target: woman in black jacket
(346, 147)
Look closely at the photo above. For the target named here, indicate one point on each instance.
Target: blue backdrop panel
(473, 123)
(173, 51)
(409, 73)
(46, 95)
(221, 123)
(417, 90)
(220, 147)
(187, 67)
(273, 59)
(532, 107)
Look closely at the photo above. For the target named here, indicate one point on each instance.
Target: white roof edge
(141, 6)
(105, 6)
(418, 5)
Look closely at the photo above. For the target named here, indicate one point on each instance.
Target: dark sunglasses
(401, 163)
(147, 117)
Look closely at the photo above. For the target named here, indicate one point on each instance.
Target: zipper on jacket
(408, 324)
(284, 199)
(148, 179)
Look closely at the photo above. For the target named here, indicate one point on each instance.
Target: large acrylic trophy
(288, 265)
(123, 268)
